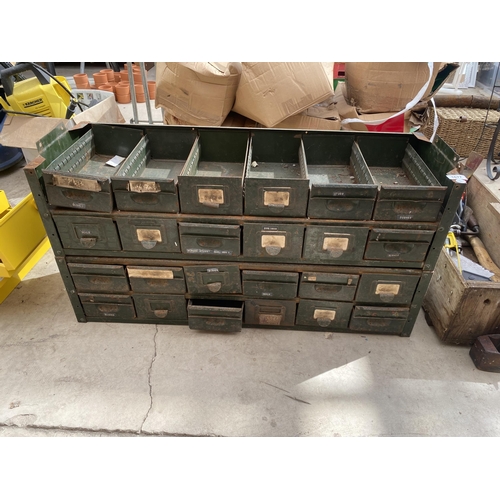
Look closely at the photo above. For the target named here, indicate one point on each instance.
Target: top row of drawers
(235, 172)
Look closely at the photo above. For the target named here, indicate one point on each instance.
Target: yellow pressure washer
(42, 95)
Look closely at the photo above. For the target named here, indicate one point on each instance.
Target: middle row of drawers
(199, 280)
(266, 242)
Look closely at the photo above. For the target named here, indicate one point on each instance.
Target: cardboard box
(197, 93)
(375, 87)
(304, 122)
(271, 92)
(25, 131)
(372, 122)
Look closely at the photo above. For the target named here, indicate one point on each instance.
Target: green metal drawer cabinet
(224, 228)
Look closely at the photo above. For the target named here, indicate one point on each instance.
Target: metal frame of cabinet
(219, 272)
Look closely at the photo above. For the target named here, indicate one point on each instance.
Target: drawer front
(341, 208)
(213, 279)
(99, 278)
(328, 286)
(87, 233)
(386, 289)
(215, 316)
(145, 279)
(281, 198)
(399, 245)
(407, 210)
(378, 319)
(147, 202)
(152, 235)
(323, 313)
(210, 239)
(107, 306)
(80, 199)
(273, 241)
(222, 196)
(270, 312)
(166, 307)
(334, 244)
(269, 284)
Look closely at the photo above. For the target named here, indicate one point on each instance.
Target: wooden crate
(461, 310)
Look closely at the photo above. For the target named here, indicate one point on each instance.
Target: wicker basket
(463, 129)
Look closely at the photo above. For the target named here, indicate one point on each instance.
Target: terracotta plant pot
(107, 88)
(118, 77)
(152, 89)
(122, 88)
(124, 75)
(123, 99)
(81, 81)
(100, 79)
(109, 73)
(137, 77)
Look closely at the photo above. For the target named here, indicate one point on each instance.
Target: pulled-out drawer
(167, 307)
(379, 319)
(334, 243)
(147, 279)
(270, 312)
(87, 233)
(270, 284)
(212, 180)
(213, 279)
(386, 289)
(210, 239)
(151, 234)
(99, 278)
(328, 286)
(147, 180)
(324, 313)
(273, 241)
(276, 182)
(401, 245)
(107, 306)
(222, 316)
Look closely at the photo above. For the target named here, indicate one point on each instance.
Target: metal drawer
(270, 312)
(213, 279)
(341, 185)
(221, 316)
(328, 286)
(166, 307)
(403, 245)
(151, 234)
(273, 241)
(334, 243)
(147, 180)
(386, 289)
(276, 180)
(210, 239)
(323, 313)
(85, 232)
(99, 278)
(379, 319)
(270, 284)
(80, 178)
(212, 180)
(107, 306)
(148, 279)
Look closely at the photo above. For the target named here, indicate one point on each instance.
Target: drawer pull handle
(396, 249)
(408, 208)
(271, 250)
(324, 316)
(214, 287)
(215, 322)
(100, 280)
(148, 245)
(161, 313)
(334, 289)
(341, 205)
(77, 195)
(145, 198)
(386, 297)
(88, 242)
(270, 319)
(324, 322)
(107, 308)
(209, 242)
(378, 322)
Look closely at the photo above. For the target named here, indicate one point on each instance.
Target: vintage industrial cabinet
(223, 228)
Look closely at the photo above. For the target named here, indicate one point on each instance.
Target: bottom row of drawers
(231, 315)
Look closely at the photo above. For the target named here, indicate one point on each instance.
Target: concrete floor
(59, 377)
